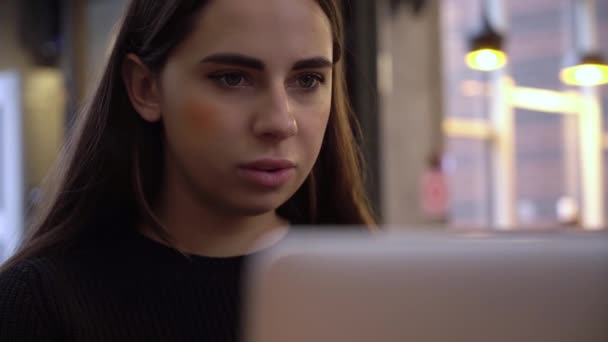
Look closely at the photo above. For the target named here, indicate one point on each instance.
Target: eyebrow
(313, 63)
(236, 59)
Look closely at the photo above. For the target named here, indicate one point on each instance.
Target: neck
(195, 228)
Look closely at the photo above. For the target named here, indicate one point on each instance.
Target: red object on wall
(434, 194)
(434, 190)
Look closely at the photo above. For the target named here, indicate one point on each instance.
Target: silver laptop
(420, 287)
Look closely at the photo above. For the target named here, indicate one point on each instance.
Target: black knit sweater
(126, 288)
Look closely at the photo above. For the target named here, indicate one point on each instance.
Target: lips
(269, 164)
(267, 173)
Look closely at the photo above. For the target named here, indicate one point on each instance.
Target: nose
(275, 119)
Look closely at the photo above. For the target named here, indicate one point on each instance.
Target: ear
(142, 87)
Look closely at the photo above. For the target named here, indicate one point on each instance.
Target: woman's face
(245, 101)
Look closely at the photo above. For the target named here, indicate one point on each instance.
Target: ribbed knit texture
(121, 289)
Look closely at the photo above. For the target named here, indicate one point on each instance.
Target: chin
(259, 205)
(254, 209)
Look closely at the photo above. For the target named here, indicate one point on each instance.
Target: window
(545, 115)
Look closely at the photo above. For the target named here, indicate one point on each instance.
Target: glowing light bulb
(585, 74)
(486, 59)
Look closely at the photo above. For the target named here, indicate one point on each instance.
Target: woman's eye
(230, 79)
(309, 81)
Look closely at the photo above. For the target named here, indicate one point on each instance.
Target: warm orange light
(486, 59)
(545, 100)
(588, 74)
(467, 128)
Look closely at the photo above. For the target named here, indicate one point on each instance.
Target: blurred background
(484, 114)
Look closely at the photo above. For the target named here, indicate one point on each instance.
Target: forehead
(268, 29)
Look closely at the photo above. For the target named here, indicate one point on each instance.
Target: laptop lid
(474, 287)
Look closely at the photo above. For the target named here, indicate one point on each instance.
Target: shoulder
(24, 302)
(24, 282)
(21, 277)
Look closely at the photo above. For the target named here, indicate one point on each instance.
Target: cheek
(312, 124)
(196, 118)
(199, 115)
(320, 115)
(197, 112)
(190, 113)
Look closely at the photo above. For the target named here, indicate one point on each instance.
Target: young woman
(216, 125)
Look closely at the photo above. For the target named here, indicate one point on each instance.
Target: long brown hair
(100, 174)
